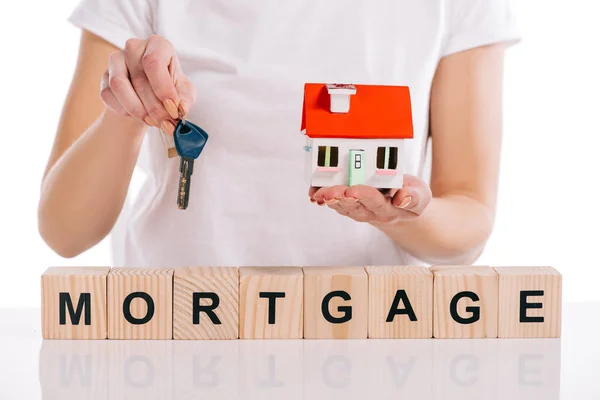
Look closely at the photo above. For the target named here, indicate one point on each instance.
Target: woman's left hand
(367, 204)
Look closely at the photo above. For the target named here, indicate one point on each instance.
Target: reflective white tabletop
(548, 369)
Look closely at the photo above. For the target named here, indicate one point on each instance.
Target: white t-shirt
(249, 61)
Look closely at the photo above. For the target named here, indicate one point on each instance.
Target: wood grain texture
(448, 281)
(222, 281)
(384, 285)
(254, 310)
(158, 284)
(514, 280)
(319, 282)
(74, 281)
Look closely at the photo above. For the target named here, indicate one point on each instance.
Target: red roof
(376, 112)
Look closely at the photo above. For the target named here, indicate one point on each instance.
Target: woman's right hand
(144, 81)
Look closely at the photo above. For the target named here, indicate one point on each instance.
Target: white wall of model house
(329, 175)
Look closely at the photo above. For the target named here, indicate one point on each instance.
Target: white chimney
(340, 97)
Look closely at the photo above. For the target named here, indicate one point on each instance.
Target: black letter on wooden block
(454, 308)
(401, 295)
(347, 310)
(524, 305)
(84, 303)
(272, 296)
(127, 308)
(198, 308)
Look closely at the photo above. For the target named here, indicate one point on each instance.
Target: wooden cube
(271, 303)
(74, 303)
(140, 303)
(335, 303)
(465, 302)
(205, 303)
(530, 302)
(400, 302)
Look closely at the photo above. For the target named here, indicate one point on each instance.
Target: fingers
(159, 65)
(329, 195)
(414, 196)
(367, 204)
(121, 88)
(311, 192)
(109, 98)
(336, 198)
(145, 81)
(371, 198)
(134, 52)
(187, 94)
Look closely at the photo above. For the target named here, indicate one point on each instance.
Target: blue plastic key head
(190, 139)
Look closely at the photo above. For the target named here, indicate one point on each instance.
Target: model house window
(328, 156)
(357, 161)
(387, 157)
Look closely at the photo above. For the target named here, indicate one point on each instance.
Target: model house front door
(356, 169)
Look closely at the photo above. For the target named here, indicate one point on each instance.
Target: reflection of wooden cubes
(530, 369)
(74, 303)
(140, 369)
(271, 303)
(530, 302)
(205, 303)
(205, 369)
(335, 303)
(340, 369)
(270, 370)
(140, 303)
(71, 370)
(465, 302)
(401, 369)
(400, 302)
(466, 369)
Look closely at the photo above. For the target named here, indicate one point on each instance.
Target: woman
(237, 69)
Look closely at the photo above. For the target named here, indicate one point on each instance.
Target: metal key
(190, 140)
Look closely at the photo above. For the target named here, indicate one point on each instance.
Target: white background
(548, 205)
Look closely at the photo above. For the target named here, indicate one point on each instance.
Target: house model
(355, 134)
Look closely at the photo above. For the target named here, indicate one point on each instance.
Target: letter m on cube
(74, 303)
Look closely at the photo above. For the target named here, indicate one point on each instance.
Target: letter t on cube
(271, 303)
(74, 303)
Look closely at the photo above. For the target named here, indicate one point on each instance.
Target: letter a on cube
(335, 303)
(74, 303)
(530, 302)
(400, 302)
(140, 303)
(465, 302)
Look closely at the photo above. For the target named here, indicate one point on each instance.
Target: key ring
(181, 117)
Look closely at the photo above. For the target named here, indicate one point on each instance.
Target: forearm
(452, 230)
(84, 191)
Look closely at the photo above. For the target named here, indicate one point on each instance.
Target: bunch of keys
(190, 140)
